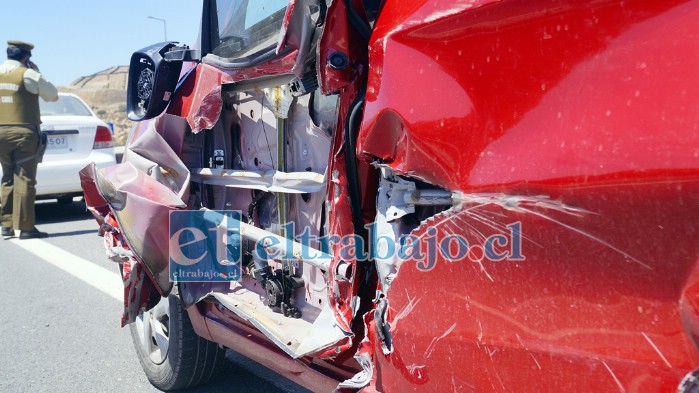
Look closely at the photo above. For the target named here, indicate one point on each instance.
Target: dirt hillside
(105, 92)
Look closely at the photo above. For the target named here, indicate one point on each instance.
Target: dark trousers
(18, 147)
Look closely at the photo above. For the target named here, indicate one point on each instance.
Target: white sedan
(76, 137)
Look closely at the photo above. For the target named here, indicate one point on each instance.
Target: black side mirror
(153, 75)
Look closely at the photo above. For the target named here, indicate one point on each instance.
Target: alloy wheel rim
(153, 331)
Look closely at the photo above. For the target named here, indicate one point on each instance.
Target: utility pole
(164, 25)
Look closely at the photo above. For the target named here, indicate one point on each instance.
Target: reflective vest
(17, 105)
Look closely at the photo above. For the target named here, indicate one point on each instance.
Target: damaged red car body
(536, 162)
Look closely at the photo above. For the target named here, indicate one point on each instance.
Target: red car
(464, 195)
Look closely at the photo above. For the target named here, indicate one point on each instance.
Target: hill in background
(105, 92)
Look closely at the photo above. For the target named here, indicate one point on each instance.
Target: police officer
(21, 85)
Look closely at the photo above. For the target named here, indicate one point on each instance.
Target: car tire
(172, 355)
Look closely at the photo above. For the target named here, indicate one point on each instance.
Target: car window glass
(246, 27)
(65, 106)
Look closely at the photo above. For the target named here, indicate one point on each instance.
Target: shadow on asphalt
(50, 212)
(73, 233)
(235, 377)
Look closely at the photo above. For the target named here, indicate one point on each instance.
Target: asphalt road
(59, 333)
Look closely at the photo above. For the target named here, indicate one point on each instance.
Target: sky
(74, 38)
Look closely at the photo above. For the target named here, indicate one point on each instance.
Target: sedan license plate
(57, 142)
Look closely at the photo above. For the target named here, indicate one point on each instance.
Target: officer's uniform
(20, 88)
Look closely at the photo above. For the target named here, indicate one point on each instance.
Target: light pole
(164, 25)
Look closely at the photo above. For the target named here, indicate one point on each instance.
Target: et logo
(205, 245)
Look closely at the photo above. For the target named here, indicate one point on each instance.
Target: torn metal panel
(141, 191)
(94, 202)
(139, 202)
(321, 333)
(364, 377)
(138, 284)
(383, 327)
(153, 155)
(198, 98)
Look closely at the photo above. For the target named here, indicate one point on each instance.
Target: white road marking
(105, 280)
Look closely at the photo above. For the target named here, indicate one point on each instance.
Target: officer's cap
(25, 46)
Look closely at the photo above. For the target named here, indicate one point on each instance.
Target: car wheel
(64, 200)
(172, 355)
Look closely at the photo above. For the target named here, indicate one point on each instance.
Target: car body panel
(248, 341)
(57, 174)
(579, 122)
(61, 176)
(602, 306)
(143, 189)
(139, 283)
(586, 73)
